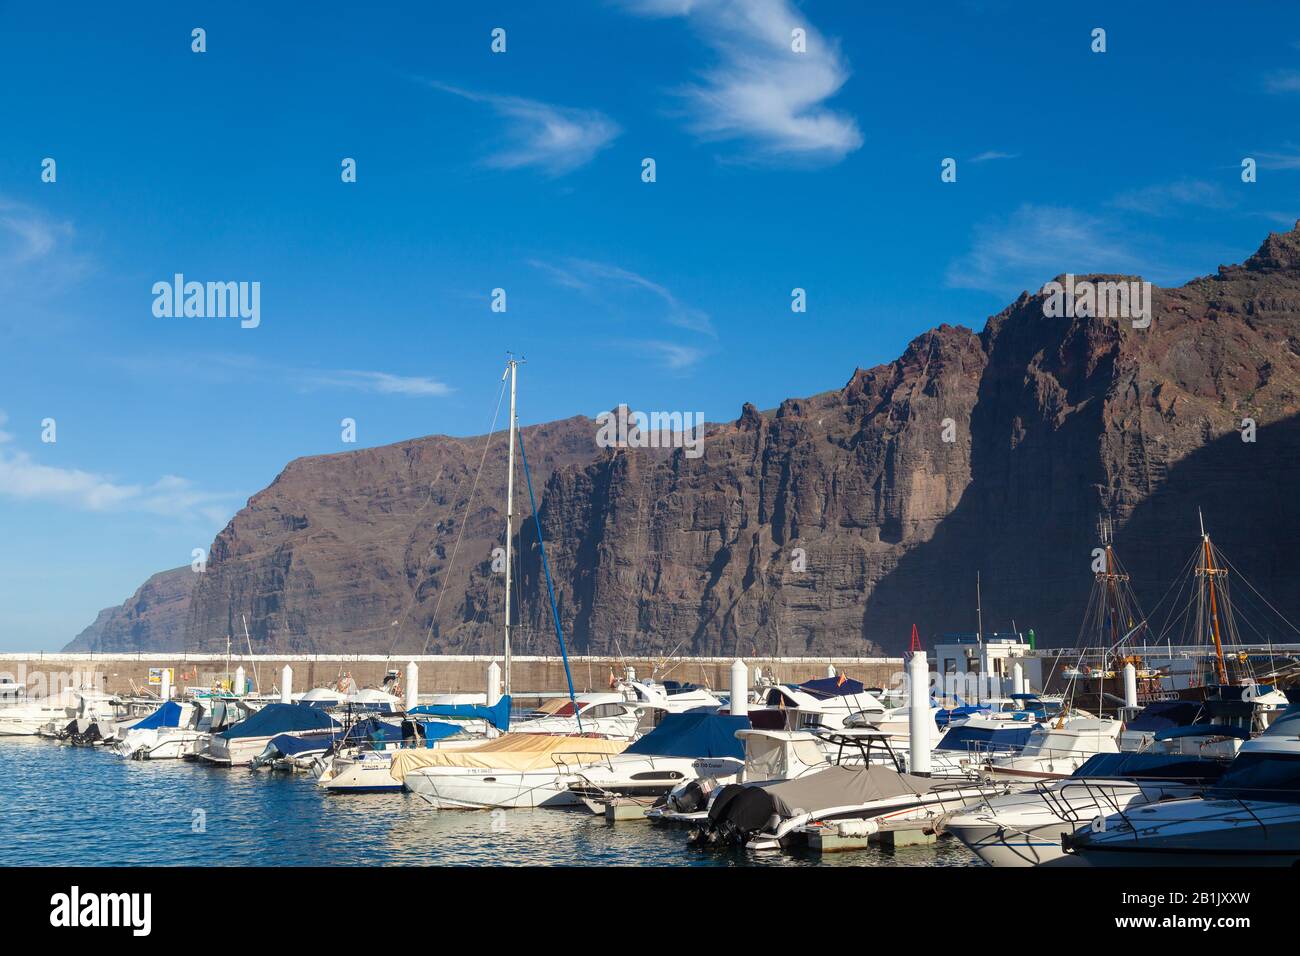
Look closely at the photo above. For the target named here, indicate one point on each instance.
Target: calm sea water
(74, 805)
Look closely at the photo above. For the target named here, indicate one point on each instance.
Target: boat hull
(368, 775)
(1027, 829)
(466, 789)
(1195, 832)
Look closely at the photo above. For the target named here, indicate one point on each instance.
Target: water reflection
(67, 805)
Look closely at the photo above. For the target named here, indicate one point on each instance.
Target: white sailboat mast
(510, 514)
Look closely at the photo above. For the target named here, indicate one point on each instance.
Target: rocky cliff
(152, 619)
(832, 523)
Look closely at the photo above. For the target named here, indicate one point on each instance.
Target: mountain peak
(1278, 253)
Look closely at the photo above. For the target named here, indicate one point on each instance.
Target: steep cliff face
(993, 454)
(832, 523)
(772, 540)
(152, 619)
(353, 552)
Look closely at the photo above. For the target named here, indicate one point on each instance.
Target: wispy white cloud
(25, 479)
(26, 234)
(991, 154)
(1036, 243)
(554, 139)
(35, 248)
(381, 383)
(1289, 159)
(1167, 198)
(614, 288)
(673, 355)
(598, 278)
(760, 90)
(1283, 81)
(231, 367)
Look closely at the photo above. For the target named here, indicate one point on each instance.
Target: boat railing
(1139, 830)
(1103, 794)
(582, 760)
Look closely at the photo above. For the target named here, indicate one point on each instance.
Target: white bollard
(1018, 679)
(165, 684)
(1130, 686)
(286, 685)
(241, 681)
(739, 689)
(412, 685)
(830, 670)
(919, 716)
(493, 683)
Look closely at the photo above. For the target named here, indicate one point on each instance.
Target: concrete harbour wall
(128, 673)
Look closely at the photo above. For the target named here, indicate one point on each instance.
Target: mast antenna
(511, 367)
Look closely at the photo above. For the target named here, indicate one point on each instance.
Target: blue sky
(522, 170)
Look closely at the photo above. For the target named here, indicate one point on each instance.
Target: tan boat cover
(843, 787)
(513, 752)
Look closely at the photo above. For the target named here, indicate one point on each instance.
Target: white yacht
(361, 761)
(241, 743)
(1058, 747)
(770, 756)
(682, 748)
(514, 770)
(608, 715)
(670, 696)
(1251, 817)
(1026, 828)
(779, 815)
(825, 703)
(54, 713)
(167, 734)
(213, 714)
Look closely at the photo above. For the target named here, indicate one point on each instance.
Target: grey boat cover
(842, 786)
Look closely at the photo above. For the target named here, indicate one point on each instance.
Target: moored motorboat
(166, 734)
(1057, 748)
(784, 814)
(360, 762)
(1250, 817)
(1026, 828)
(514, 770)
(243, 742)
(682, 748)
(608, 715)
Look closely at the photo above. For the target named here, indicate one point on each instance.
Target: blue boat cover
(498, 715)
(1154, 765)
(833, 687)
(1166, 714)
(693, 734)
(168, 715)
(433, 731)
(278, 719)
(291, 746)
(943, 717)
(372, 729)
(1012, 737)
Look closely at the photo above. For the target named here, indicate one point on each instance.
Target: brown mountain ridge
(826, 526)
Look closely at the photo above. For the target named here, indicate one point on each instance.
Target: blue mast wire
(550, 589)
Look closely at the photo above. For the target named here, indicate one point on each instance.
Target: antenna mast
(511, 365)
